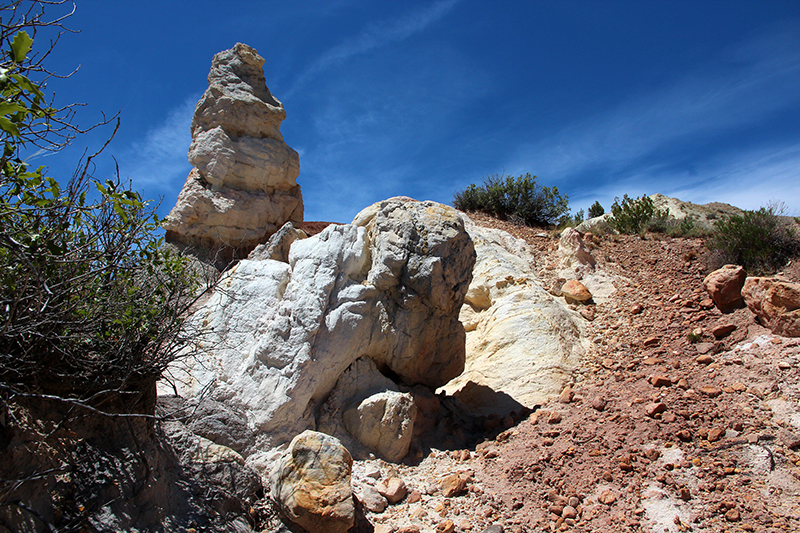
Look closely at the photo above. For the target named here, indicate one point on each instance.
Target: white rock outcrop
(523, 345)
(243, 186)
(276, 337)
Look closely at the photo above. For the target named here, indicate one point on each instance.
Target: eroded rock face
(243, 186)
(776, 302)
(523, 345)
(278, 336)
(311, 483)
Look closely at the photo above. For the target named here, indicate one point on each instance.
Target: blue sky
(694, 99)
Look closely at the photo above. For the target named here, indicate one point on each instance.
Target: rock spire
(243, 185)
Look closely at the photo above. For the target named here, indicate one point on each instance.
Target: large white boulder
(275, 337)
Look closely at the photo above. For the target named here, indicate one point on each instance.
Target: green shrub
(89, 301)
(637, 216)
(758, 240)
(596, 210)
(518, 199)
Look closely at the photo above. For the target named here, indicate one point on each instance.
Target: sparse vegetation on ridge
(596, 210)
(638, 215)
(758, 240)
(516, 199)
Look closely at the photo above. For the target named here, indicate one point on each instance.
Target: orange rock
(575, 290)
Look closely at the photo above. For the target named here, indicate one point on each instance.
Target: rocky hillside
(680, 418)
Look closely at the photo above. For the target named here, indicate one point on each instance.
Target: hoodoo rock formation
(243, 186)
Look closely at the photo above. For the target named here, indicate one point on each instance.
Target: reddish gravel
(666, 428)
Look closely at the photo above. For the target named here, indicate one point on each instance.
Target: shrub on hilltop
(517, 199)
(758, 240)
(596, 210)
(638, 215)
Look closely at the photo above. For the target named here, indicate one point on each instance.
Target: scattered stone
(660, 381)
(607, 497)
(575, 291)
(722, 330)
(445, 527)
(651, 341)
(725, 287)
(599, 403)
(566, 395)
(311, 483)
(453, 485)
(715, 434)
(711, 391)
(704, 359)
(635, 309)
(685, 494)
(569, 512)
(652, 409)
(393, 489)
(732, 515)
(684, 435)
(704, 347)
(554, 418)
(372, 499)
(413, 528)
(683, 384)
(384, 422)
(414, 496)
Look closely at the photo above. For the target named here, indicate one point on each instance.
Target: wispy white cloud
(374, 36)
(158, 160)
(753, 83)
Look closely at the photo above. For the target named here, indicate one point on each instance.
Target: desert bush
(758, 240)
(637, 216)
(89, 300)
(514, 198)
(596, 210)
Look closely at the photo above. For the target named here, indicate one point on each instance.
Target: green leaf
(9, 127)
(20, 46)
(6, 108)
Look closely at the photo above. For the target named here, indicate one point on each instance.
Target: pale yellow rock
(525, 346)
(311, 483)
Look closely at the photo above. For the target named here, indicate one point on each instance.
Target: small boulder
(725, 287)
(311, 483)
(576, 291)
(776, 303)
(384, 422)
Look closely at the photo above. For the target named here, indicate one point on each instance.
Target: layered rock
(278, 336)
(776, 302)
(243, 186)
(523, 345)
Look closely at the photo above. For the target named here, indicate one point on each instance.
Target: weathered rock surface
(280, 335)
(522, 344)
(383, 422)
(724, 285)
(776, 302)
(243, 186)
(311, 483)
